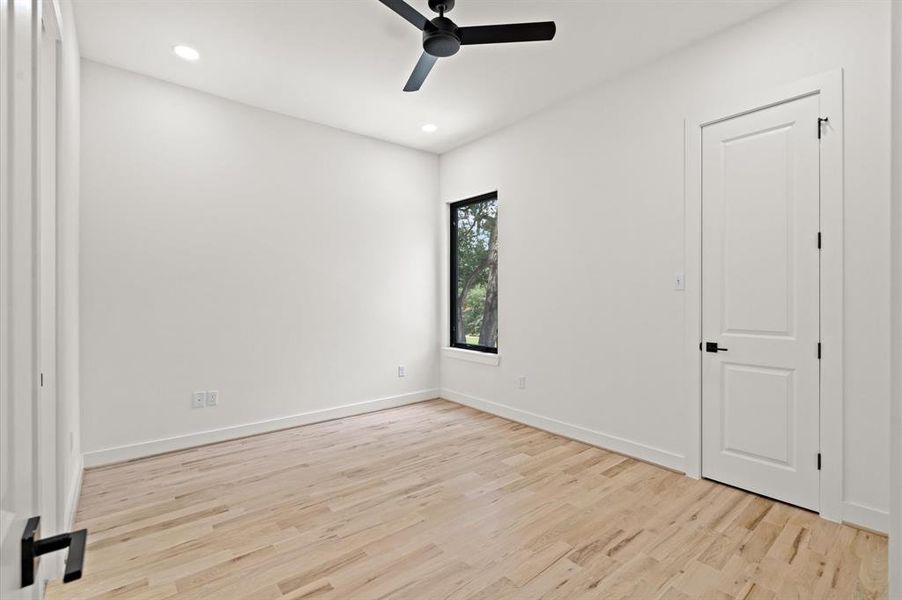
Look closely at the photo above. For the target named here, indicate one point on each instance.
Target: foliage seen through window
(474, 274)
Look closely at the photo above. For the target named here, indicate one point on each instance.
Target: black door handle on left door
(32, 548)
(713, 347)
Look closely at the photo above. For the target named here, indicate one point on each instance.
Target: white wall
(288, 265)
(67, 246)
(591, 234)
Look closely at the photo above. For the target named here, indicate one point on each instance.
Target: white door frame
(51, 499)
(29, 326)
(829, 86)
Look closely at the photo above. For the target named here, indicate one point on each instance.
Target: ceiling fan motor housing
(442, 39)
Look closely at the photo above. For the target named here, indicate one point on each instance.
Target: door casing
(29, 78)
(51, 499)
(829, 86)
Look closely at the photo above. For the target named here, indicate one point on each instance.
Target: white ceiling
(343, 62)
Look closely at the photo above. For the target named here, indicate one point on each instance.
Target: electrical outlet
(521, 382)
(402, 371)
(198, 399)
(213, 398)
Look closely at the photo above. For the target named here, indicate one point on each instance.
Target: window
(474, 273)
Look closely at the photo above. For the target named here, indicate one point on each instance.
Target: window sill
(484, 358)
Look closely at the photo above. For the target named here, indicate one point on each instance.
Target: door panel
(758, 406)
(760, 301)
(757, 237)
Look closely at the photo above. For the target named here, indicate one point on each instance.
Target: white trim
(895, 494)
(73, 494)
(829, 86)
(485, 358)
(865, 517)
(607, 441)
(116, 454)
(47, 107)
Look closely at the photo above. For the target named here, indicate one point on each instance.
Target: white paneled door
(760, 301)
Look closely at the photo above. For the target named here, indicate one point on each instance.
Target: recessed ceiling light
(429, 128)
(186, 52)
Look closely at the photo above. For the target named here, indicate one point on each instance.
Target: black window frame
(452, 212)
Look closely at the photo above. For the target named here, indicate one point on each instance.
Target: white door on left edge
(760, 301)
(19, 491)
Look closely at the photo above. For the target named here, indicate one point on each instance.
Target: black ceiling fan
(442, 37)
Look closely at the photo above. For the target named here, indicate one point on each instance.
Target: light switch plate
(679, 282)
(198, 399)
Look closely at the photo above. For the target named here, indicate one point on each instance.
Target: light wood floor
(436, 500)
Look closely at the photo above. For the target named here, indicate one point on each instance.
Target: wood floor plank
(436, 500)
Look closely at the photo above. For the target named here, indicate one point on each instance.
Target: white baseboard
(865, 517)
(617, 444)
(116, 454)
(73, 494)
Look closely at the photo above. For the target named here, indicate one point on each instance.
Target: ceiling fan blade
(408, 12)
(424, 65)
(502, 34)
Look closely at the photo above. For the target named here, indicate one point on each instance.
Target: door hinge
(818, 240)
(821, 121)
(818, 350)
(42, 380)
(818, 461)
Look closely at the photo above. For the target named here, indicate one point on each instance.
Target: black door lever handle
(33, 548)
(713, 347)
